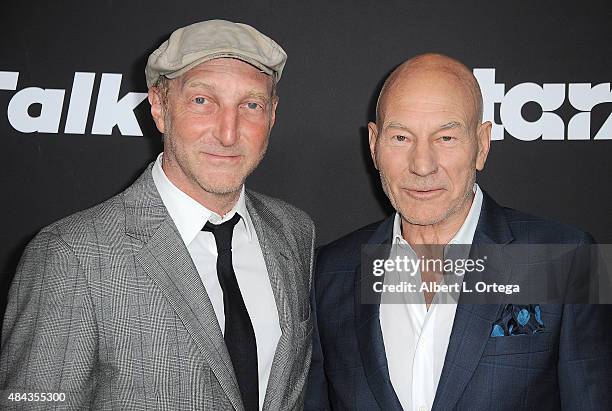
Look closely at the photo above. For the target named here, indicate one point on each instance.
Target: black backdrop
(339, 53)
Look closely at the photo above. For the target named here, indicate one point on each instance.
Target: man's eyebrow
(450, 124)
(393, 124)
(200, 84)
(258, 95)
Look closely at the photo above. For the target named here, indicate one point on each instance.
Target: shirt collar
(465, 235)
(188, 215)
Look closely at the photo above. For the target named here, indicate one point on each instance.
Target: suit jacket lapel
(278, 257)
(166, 260)
(472, 324)
(369, 334)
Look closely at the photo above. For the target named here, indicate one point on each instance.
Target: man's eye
(252, 105)
(199, 100)
(399, 138)
(446, 138)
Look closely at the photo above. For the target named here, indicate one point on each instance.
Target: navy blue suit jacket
(568, 366)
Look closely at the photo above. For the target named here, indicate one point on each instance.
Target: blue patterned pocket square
(518, 320)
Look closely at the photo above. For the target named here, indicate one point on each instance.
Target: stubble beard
(404, 214)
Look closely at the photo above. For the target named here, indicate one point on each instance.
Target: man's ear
(483, 137)
(157, 108)
(273, 111)
(372, 138)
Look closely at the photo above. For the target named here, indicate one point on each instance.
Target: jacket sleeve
(585, 357)
(585, 352)
(49, 335)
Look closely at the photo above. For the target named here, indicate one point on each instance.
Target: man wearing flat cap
(185, 291)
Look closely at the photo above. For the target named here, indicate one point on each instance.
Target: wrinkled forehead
(227, 68)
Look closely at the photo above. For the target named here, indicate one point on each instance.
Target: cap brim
(224, 54)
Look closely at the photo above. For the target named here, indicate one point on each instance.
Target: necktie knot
(223, 233)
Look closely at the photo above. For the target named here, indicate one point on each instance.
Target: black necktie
(239, 335)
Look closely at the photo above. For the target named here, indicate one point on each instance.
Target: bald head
(432, 68)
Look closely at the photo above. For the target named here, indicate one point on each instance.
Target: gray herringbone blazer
(108, 307)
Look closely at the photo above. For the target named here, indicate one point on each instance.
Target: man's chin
(423, 221)
(222, 187)
(222, 190)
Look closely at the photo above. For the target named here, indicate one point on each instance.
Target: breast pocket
(510, 354)
(518, 344)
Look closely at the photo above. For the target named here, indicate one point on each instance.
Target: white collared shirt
(189, 216)
(415, 338)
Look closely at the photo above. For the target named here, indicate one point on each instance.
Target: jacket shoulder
(534, 229)
(283, 211)
(345, 252)
(84, 224)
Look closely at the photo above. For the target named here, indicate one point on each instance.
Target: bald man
(432, 349)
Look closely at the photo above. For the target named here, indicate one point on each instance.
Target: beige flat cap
(207, 40)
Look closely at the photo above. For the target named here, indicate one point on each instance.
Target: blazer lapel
(471, 331)
(369, 334)
(278, 258)
(165, 259)
(473, 322)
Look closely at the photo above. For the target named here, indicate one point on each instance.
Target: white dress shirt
(189, 216)
(415, 338)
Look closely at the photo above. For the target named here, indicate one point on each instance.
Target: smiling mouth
(424, 194)
(221, 157)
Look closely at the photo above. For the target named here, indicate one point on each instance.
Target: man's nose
(227, 126)
(423, 161)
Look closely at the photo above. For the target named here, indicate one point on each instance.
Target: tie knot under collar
(223, 232)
